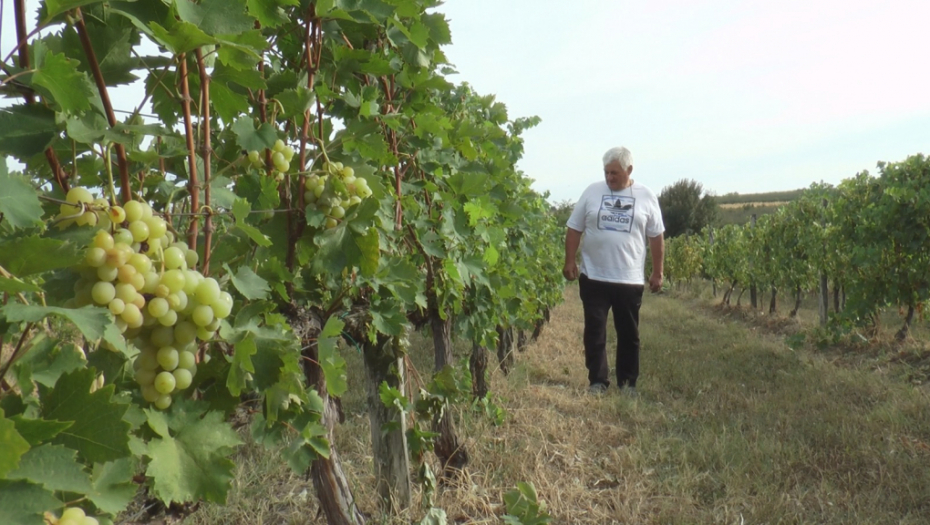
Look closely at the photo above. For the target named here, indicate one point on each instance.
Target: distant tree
(562, 210)
(686, 208)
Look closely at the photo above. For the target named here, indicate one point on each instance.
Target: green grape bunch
(71, 516)
(161, 304)
(281, 155)
(335, 191)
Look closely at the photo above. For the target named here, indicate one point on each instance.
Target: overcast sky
(740, 95)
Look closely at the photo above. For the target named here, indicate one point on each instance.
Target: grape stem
(109, 167)
(19, 346)
(94, 66)
(193, 185)
(12, 277)
(207, 156)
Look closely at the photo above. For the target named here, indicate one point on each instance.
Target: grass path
(730, 426)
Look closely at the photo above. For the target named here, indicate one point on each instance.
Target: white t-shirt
(615, 225)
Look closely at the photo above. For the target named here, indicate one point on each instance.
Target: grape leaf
(55, 468)
(269, 12)
(60, 76)
(12, 445)
(296, 101)
(216, 17)
(315, 436)
(24, 503)
(36, 431)
(249, 284)
(334, 253)
(181, 37)
(90, 320)
(491, 256)
(241, 210)
(369, 245)
(241, 364)
(472, 184)
(387, 318)
(19, 202)
(99, 433)
(113, 487)
(435, 517)
(47, 360)
(14, 286)
(241, 51)
(438, 27)
(31, 255)
(227, 103)
(112, 45)
(251, 139)
(331, 361)
(57, 7)
(189, 461)
(26, 131)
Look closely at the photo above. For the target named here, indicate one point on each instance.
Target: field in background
(749, 198)
(742, 213)
(735, 208)
(731, 426)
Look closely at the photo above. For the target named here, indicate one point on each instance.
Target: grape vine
(292, 174)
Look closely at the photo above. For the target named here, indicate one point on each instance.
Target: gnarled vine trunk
(797, 302)
(384, 363)
(540, 323)
(478, 365)
(906, 329)
(332, 488)
(773, 303)
(389, 447)
(449, 450)
(505, 348)
(836, 296)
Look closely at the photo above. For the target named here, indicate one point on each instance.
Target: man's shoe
(629, 391)
(597, 389)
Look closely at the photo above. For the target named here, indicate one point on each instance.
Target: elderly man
(616, 217)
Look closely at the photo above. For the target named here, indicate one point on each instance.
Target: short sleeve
(655, 226)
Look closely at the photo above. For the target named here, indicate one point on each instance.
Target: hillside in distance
(737, 208)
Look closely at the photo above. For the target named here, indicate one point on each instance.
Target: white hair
(621, 155)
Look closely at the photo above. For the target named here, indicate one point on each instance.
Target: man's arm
(657, 247)
(572, 241)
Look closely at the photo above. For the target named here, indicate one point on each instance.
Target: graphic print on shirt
(616, 213)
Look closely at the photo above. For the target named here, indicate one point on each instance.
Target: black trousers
(598, 298)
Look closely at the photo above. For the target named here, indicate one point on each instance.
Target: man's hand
(655, 282)
(570, 271)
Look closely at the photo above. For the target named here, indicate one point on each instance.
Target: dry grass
(731, 426)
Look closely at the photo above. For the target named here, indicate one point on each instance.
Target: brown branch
(312, 50)
(305, 127)
(19, 347)
(22, 37)
(193, 186)
(60, 177)
(207, 156)
(430, 274)
(94, 65)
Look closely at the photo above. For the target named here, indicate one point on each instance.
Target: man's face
(617, 178)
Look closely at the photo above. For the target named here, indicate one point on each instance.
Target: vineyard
(295, 180)
(862, 246)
